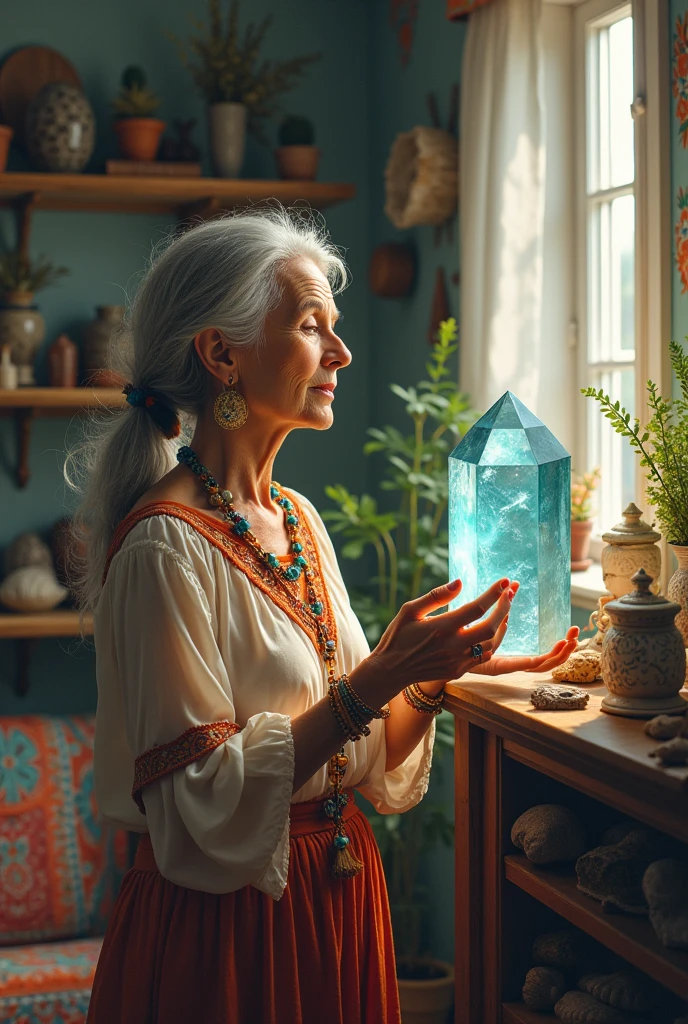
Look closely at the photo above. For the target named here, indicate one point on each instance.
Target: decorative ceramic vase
(97, 336)
(22, 328)
(6, 134)
(630, 545)
(139, 137)
(677, 589)
(60, 128)
(63, 363)
(643, 657)
(227, 138)
(297, 163)
(580, 544)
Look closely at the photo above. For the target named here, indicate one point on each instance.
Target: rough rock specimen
(626, 990)
(665, 885)
(581, 1008)
(582, 667)
(615, 833)
(665, 727)
(548, 833)
(569, 948)
(543, 987)
(613, 874)
(550, 697)
(672, 752)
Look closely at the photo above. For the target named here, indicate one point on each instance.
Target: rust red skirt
(322, 954)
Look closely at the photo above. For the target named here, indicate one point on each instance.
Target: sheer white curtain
(502, 198)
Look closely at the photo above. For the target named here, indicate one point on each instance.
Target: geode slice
(613, 874)
(581, 1008)
(626, 990)
(665, 885)
(549, 697)
(548, 833)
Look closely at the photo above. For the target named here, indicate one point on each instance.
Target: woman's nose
(337, 355)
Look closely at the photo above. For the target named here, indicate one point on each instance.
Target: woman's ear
(216, 354)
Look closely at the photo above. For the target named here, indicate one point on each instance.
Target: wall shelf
(518, 1013)
(27, 628)
(26, 404)
(631, 937)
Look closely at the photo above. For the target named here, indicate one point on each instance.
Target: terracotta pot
(139, 137)
(297, 163)
(97, 337)
(6, 134)
(427, 1001)
(677, 589)
(23, 329)
(63, 363)
(580, 545)
(227, 123)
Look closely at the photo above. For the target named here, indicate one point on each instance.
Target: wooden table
(509, 757)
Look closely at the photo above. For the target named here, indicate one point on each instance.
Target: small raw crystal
(549, 697)
(569, 948)
(672, 752)
(581, 1008)
(665, 885)
(665, 727)
(626, 990)
(543, 987)
(613, 874)
(582, 667)
(549, 833)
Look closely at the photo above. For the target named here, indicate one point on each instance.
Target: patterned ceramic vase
(643, 658)
(97, 337)
(630, 545)
(678, 589)
(22, 328)
(60, 128)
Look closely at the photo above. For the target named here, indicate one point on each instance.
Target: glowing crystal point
(510, 515)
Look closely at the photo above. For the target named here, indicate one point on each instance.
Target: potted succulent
(582, 488)
(138, 132)
(21, 325)
(409, 543)
(662, 446)
(297, 157)
(240, 87)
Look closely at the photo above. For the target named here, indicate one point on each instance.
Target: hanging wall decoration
(402, 19)
(681, 238)
(679, 76)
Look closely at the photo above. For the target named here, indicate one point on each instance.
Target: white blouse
(185, 638)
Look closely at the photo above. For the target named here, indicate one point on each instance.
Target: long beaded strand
(344, 863)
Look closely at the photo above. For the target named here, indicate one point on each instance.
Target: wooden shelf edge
(518, 1013)
(630, 937)
(60, 398)
(38, 625)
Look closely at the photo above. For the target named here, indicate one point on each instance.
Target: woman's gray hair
(223, 274)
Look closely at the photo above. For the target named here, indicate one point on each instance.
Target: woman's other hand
(560, 653)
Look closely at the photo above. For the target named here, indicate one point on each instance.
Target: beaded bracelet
(420, 701)
(364, 710)
(343, 720)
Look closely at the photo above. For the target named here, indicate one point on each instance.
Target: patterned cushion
(47, 984)
(60, 864)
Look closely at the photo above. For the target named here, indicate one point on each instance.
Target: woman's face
(290, 379)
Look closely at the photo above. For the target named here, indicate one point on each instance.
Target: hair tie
(164, 417)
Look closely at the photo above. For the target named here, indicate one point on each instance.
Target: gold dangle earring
(231, 408)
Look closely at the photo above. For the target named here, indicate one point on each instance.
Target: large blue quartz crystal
(510, 515)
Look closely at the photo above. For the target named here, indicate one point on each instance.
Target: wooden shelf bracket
(23, 420)
(24, 206)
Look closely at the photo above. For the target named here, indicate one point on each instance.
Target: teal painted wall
(106, 252)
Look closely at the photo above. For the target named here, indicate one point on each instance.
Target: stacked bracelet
(351, 711)
(420, 701)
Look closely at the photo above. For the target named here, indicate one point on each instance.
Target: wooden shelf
(183, 197)
(518, 1013)
(37, 625)
(629, 936)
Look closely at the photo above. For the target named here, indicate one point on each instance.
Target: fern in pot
(408, 539)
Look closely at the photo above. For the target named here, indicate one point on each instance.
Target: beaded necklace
(345, 864)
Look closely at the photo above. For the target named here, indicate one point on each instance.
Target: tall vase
(97, 335)
(227, 137)
(678, 589)
(23, 329)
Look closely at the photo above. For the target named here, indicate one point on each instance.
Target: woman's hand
(560, 653)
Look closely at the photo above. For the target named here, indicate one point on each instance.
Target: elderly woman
(238, 703)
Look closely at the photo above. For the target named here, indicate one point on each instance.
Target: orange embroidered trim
(244, 558)
(167, 757)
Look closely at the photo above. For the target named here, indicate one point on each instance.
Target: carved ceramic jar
(22, 328)
(60, 128)
(678, 589)
(97, 337)
(630, 545)
(643, 658)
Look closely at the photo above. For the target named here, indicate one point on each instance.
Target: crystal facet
(509, 515)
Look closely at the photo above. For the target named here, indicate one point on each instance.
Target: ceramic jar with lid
(22, 328)
(643, 659)
(630, 545)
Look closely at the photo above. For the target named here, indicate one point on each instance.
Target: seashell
(582, 667)
(543, 987)
(550, 697)
(581, 1008)
(665, 885)
(548, 833)
(665, 727)
(32, 589)
(27, 549)
(672, 752)
(568, 948)
(613, 873)
(626, 990)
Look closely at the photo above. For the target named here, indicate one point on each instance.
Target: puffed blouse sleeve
(220, 821)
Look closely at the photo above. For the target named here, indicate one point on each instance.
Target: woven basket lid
(421, 177)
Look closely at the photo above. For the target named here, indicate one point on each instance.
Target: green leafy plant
(662, 446)
(20, 274)
(409, 543)
(134, 99)
(296, 131)
(582, 488)
(228, 68)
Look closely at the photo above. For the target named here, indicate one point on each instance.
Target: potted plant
(662, 446)
(240, 88)
(21, 325)
(409, 542)
(138, 132)
(582, 488)
(297, 157)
